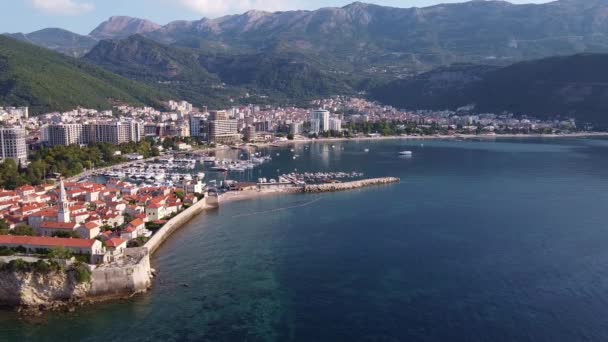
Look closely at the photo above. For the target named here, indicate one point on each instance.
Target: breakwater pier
(331, 187)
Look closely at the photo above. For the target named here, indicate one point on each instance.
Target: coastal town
(106, 215)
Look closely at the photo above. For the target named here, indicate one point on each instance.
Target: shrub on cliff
(59, 253)
(17, 265)
(5, 251)
(81, 272)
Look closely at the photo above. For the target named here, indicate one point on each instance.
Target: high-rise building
(65, 134)
(218, 115)
(323, 117)
(12, 144)
(335, 124)
(114, 132)
(223, 131)
(196, 125)
(315, 126)
(220, 128)
(295, 128)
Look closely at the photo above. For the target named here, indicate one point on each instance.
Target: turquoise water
(481, 241)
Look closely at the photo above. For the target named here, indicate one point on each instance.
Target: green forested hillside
(46, 80)
(572, 86)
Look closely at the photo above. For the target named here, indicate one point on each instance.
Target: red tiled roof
(45, 241)
(115, 242)
(136, 223)
(45, 213)
(91, 225)
(58, 225)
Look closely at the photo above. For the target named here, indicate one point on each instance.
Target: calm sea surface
(501, 240)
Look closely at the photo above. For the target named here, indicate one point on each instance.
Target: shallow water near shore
(481, 241)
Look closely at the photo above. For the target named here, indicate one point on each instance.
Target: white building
(295, 128)
(12, 144)
(323, 117)
(115, 132)
(315, 126)
(335, 124)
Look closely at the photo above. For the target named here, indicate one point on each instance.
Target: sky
(82, 16)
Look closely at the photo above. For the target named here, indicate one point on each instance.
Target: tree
(60, 253)
(71, 234)
(4, 228)
(23, 230)
(180, 194)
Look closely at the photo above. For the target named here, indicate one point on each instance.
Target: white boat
(366, 150)
(405, 153)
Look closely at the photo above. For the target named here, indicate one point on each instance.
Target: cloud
(62, 7)
(222, 7)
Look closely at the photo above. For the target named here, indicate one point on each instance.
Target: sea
(482, 240)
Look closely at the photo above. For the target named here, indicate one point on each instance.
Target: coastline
(184, 217)
(413, 137)
(446, 137)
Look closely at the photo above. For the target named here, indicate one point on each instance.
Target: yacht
(405, 153)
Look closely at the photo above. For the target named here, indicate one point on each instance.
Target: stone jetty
(330, 187)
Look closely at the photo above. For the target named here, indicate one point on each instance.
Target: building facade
(323, 117)
(114, 132)
(13, 145)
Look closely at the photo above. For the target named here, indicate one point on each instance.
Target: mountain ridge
(405, 40)
(46, 80)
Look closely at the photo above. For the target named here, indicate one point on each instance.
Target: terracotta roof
(58, 225)
(45, 241)
(115, 242)
(45, 213)
(91, 225)
(136, 223)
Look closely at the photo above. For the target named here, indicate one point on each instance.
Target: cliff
(31, 289)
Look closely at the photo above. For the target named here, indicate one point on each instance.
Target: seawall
(131, 277)
(331, 187)
(175, 223)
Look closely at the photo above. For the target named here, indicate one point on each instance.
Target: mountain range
(433, 57)
(363, 36)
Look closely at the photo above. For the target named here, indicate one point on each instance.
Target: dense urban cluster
(338, 116)
(91, 221)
